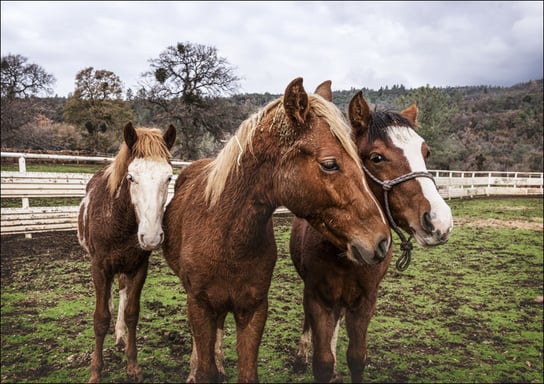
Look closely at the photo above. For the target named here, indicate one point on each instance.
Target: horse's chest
(230, 284)
(343, 287)
(122, 260)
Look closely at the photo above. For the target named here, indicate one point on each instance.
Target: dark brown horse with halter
(119, 224)
(295, 152)
(393, 156)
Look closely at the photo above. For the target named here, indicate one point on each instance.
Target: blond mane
(149, 145)
(229, 157)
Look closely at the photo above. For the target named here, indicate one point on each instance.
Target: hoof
(120, 345)
(135, 374)
(336, 378)
(300, 364)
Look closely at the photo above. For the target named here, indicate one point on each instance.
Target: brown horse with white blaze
(393, 157)
(119, 224)
(295, 152)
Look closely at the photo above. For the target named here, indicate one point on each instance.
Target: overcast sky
(355, 44)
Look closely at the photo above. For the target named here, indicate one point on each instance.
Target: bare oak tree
(185, 84)
(19, 79)
(190, 71)
(21, 83)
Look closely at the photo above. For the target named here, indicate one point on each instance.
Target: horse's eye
(376, 158)
(329, 165)
(169, 179)
(130, 178)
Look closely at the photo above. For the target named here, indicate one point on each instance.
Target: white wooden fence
(24, 185)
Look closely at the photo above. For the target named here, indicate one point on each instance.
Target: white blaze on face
(410, 142)
(149, 181)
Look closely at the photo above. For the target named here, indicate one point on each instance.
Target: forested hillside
(467, 128)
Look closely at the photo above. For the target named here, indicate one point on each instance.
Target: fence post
(25, 201)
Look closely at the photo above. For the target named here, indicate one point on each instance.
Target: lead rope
(405, 245)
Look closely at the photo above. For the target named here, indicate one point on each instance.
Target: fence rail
(24, 185)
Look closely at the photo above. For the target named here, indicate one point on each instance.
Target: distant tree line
(192, 87)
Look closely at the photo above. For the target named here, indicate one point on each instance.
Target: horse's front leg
(249, 331)
(203, 321)
(134, 286)
(324, 323)
(101, 320)
(219, 355)
(357, 322)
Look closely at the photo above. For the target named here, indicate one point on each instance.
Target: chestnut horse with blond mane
(393, 157)
(119, 224)
(295, 152)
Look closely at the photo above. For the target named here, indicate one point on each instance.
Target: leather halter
(406, 246)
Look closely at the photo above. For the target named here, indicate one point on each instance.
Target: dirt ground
(60, 245)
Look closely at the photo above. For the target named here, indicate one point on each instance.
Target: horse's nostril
(357, 254)
(161, 237)
(427, 222)
(382, 249)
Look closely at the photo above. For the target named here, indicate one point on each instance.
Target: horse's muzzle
(150, 243)
(362, 255)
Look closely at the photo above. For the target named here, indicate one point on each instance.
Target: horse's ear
(359, 114)
(170, 137)
(295, 102)
(324, 90)
(411, 113)
(130, 135)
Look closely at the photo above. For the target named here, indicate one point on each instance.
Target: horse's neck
(253, 188)
(246, 202)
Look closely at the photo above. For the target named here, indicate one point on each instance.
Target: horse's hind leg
(120, 325)
(304, 351)
(101, 320)
(135, 284)
(219, 356)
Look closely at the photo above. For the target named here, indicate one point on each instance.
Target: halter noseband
(406, 246)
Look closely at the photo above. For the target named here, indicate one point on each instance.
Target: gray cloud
(355, 44)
